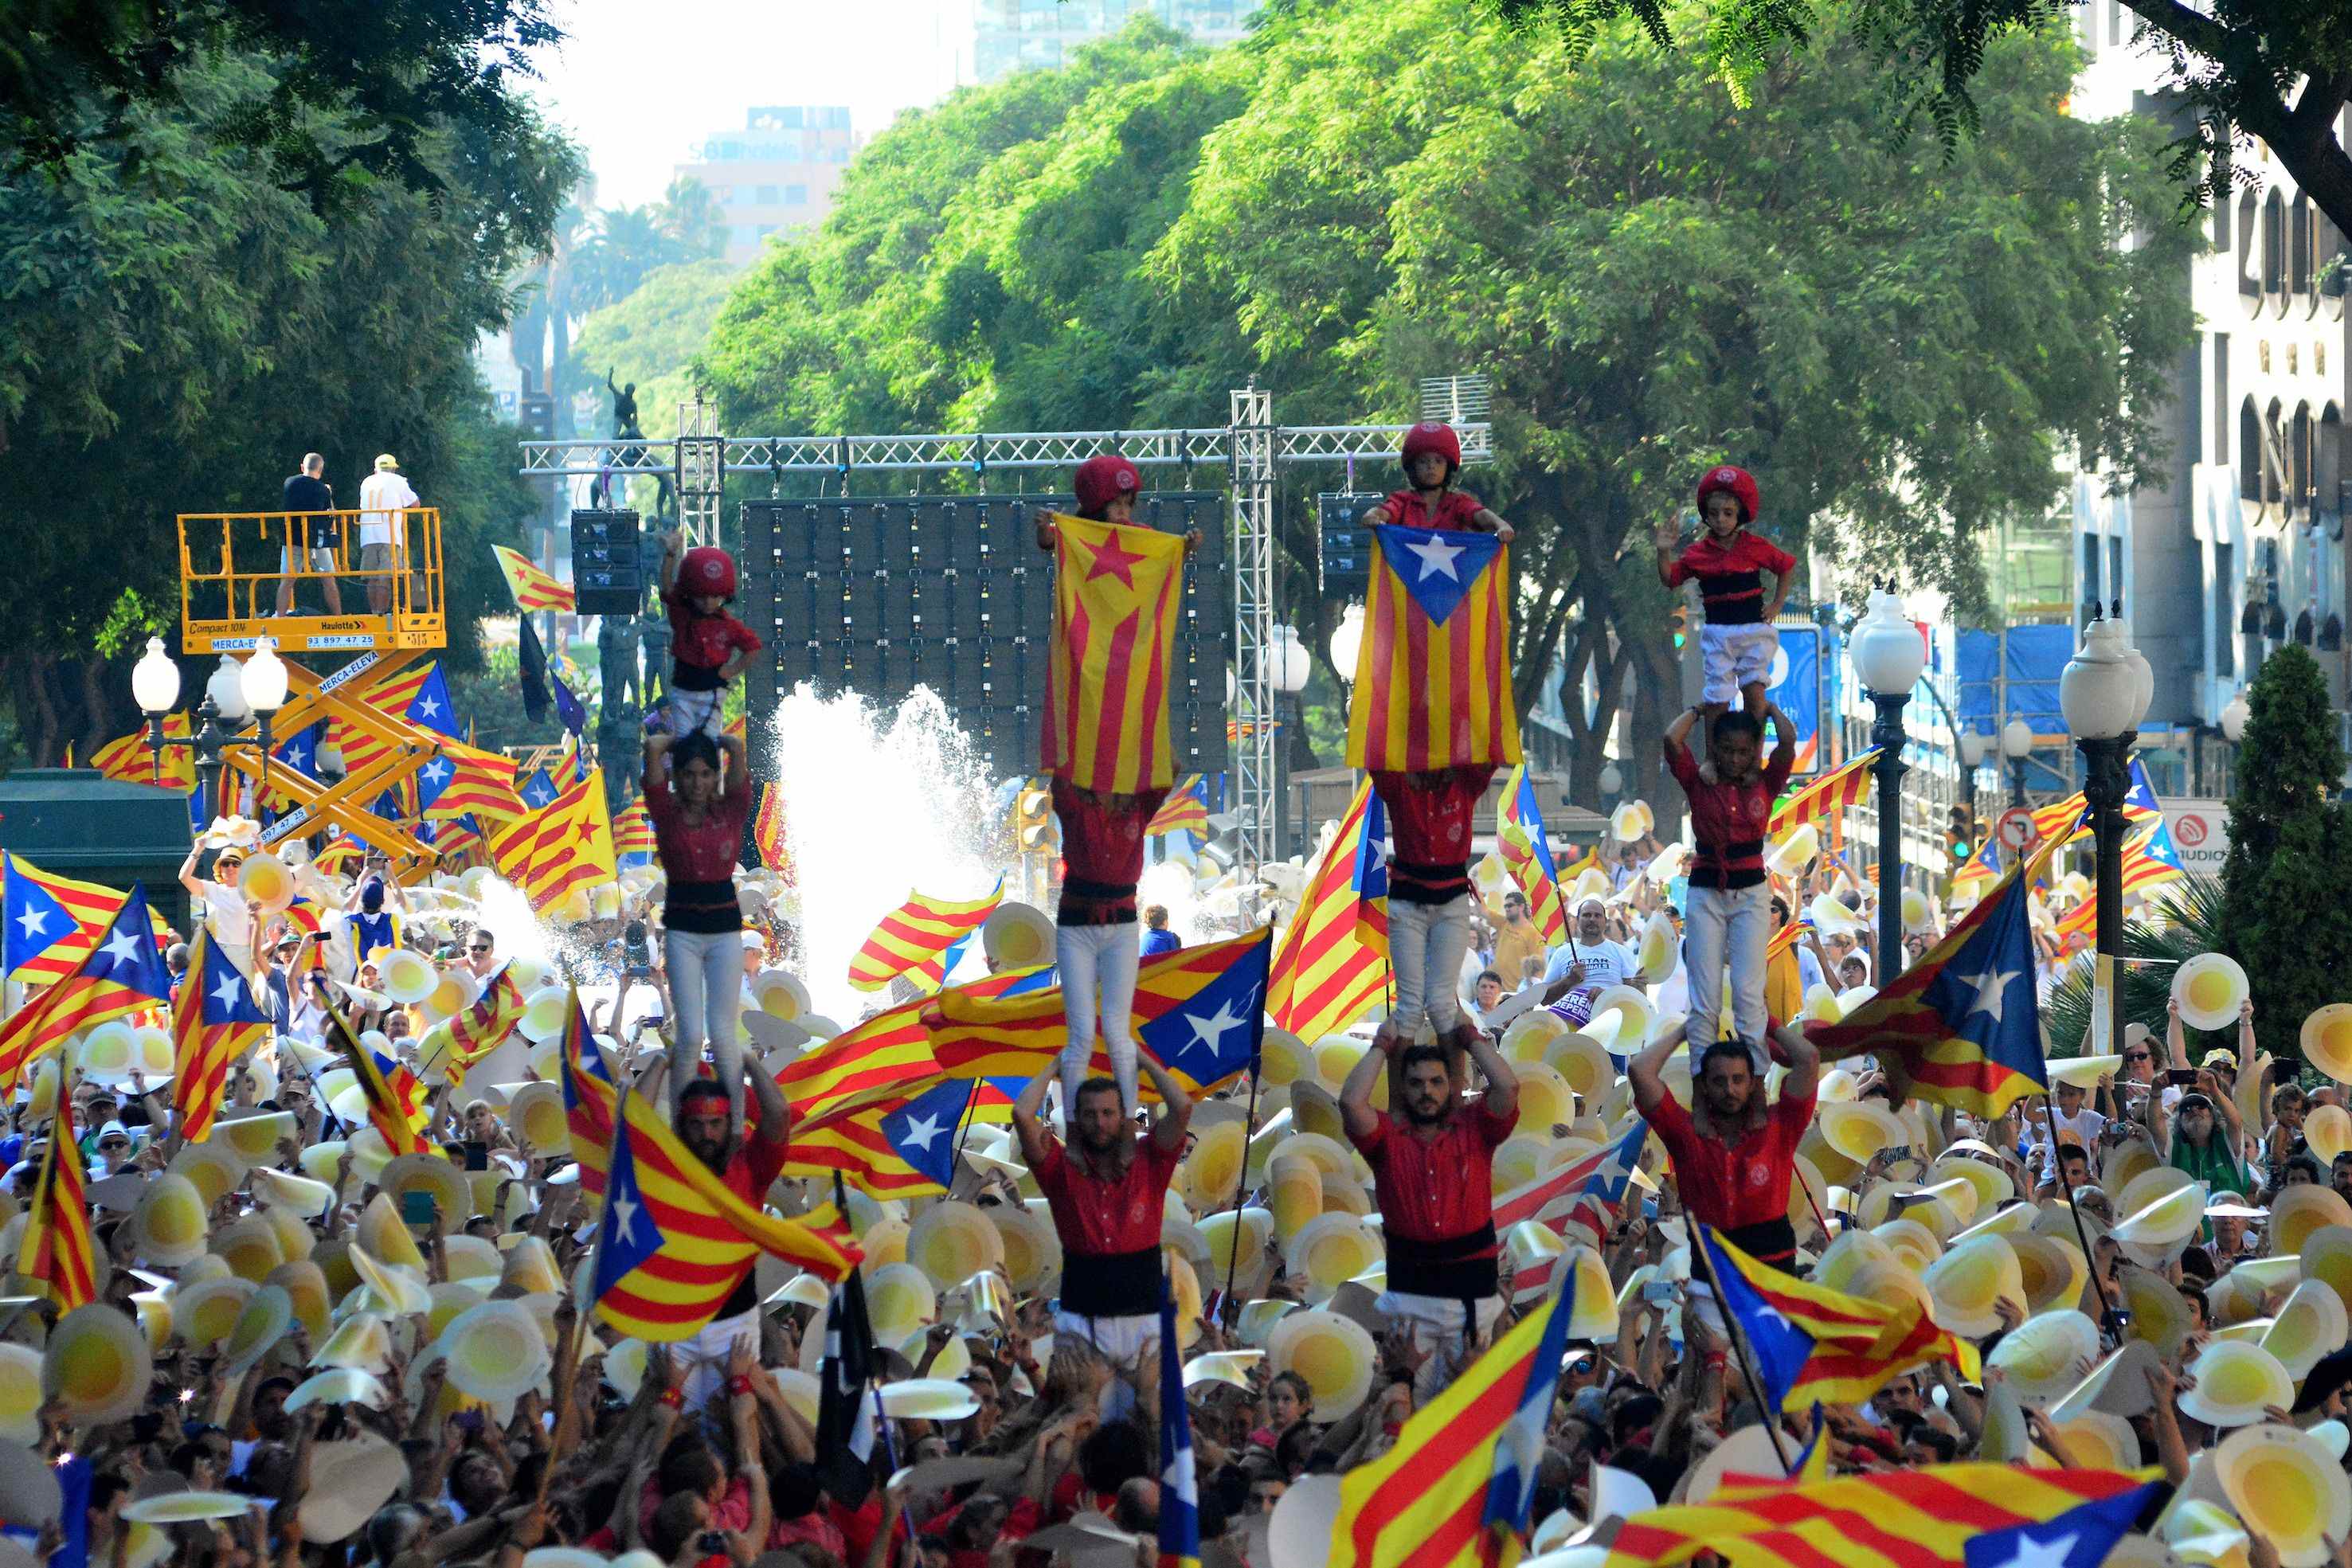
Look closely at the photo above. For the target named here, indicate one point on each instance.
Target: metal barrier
(232, 563)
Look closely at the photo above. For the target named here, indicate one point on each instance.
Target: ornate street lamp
(1888, 654)
(2103, 694)
(255, 689)
(2017, 745)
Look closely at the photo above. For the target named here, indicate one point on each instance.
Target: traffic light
(1961, 834)
(1678, 622)
(1033, 819)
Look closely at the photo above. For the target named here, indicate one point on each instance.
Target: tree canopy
(176, 342)
(1655, 278)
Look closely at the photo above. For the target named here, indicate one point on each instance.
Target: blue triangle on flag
(1437, 566)
(431, 705)
(627, 1236)
(1215, 1031)
(35, 920)
(923, 1130)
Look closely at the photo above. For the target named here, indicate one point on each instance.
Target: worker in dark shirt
(315, 537)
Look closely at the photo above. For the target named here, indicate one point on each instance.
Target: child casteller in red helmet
(1432, 457)
(708, 647)
(1097, 942)
(1729, 558)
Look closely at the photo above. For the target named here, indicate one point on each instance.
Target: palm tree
(691, 219)
(2194, 923)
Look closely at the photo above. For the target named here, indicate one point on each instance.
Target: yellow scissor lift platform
(230, 567)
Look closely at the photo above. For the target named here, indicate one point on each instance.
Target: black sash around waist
(1770, 1242)
(1449, 1266)
(1111, 1284)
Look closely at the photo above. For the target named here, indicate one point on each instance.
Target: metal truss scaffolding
(1251, 449)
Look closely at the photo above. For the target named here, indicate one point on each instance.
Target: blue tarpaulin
(2036, 655)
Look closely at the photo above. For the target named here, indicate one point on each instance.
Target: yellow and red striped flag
(480, 1029)
(1782, 940)
(923, 938)
(1114, 593)
(127, 761)
(1831, 795)
(1526, 852)
(122, 974)
(591, 1103)
(675, 1242)
(768, 830)
(56, 1247)
(216, 1022)
(1927, 1516)
(633, 830)
(1186, 810)
(1198, 1009)
(1327, 973)
(567, 844)
(392, 1113)
(1433, 684)
(464, 779)
(51, 922)
(890, 1151)
(391, 695)
(1425, 1501)
(887, 1059)
(532, 588)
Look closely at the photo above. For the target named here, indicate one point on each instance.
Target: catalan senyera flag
(1962, 1027)
(49, 923)
(216, 1022)
(1830, 796)
(1526, 854)
(566, 844)
(591, 1102)
(532, 588)
(1931, 1516)
(633, 833)
(1812, 1345)
(1782, 940)
(768, 830)
(389, 1111)
(1200, 1010)
(674, 1241)
(1107, 668)
(2079, 926)
(479, 1030)
(1186, 811)
(1426, 1501)
(1327, 974)
(127, 759)
(123, 975)
(57, 1246)
(886, 1059)
(1433, 684)
(890, 1151)
(464, 779)
(921, 939)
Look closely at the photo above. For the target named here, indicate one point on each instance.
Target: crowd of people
(303, 1350)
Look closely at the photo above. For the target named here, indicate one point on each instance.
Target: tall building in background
(777, 173)
(1008, 36)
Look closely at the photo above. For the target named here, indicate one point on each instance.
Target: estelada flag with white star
(890, 1151)
(1109, 664)
(1925, 1516)
(673, 1240)
(1434, 671)
(122, 974)
(1962, 1027)
(216, 1022)
(1200, 1010)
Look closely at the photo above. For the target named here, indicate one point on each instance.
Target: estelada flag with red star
(1107, 666)
(565, 844)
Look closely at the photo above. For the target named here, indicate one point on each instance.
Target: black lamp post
(1888, 656)
(256, 690)
(2104, 692)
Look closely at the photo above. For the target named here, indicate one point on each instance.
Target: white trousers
(1426, 942)
(1731, 926)
(706, 989)
(1440, 1330)
(1088, 958)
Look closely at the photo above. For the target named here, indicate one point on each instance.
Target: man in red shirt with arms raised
(1107, 1193)
(1432, 1168)
(749, 1166)
(1734, 1154)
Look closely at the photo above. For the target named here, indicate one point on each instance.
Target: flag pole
(2066, 1185)
(1701, 1261)
(1241, 1186)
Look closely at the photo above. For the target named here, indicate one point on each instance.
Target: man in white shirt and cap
(1589, 961)
(383, 532)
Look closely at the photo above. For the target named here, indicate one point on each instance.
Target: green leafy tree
(2245, 71)
(2287, 880)
(180, 339)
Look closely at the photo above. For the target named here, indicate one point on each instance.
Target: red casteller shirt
(1733, 1185)
(699, 643)
(1102, 852)
(707, 852)
(1457, 509)
(1441, 1188)
(1102, 1219)
(1429, 820)
(1729, 820)
(1730, 576)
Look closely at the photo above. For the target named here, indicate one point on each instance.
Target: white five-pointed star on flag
(226, 993)
(1436, 558)
(1209, 1033)
(2027, 1552)
(435, 771)
(34, 921)
(625, 1219)
(426, 707)
(922, 1130)
(124, 949)
(1991, 987)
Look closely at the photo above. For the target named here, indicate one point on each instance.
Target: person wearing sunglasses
(114, 1147)
(481, 953)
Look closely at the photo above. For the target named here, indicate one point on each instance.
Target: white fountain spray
(877, 803)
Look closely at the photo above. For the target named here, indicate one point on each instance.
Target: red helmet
(1432, 435)
(1104, 478)
(707, 569)
(1739, 480)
